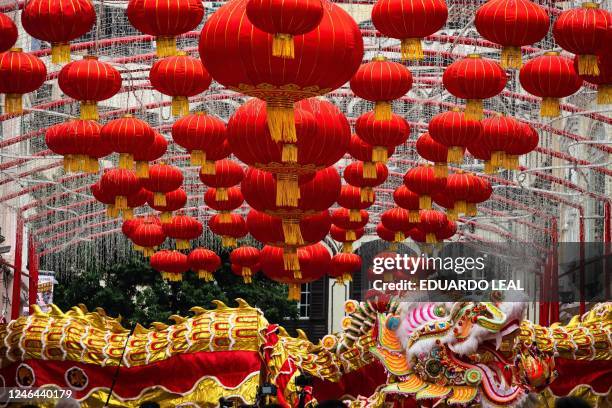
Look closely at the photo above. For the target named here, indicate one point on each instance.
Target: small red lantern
(120, 183)
(584, 31)
(382, 134)
(341, 217)
(199, 133)
(175, 200)
(89, 81)
(386, 235)
(171, 264)
(353, 174)
(60, 141)
(343, 266)
(350, 198)
(497, 134)
(162, 179)
(550, 77)
(165, 20)
(435, 152)
(398, 221)
(522, 143)
(105, 198)
(347, 237)
(228, 173)
(448, 231)
(129, 226)
(474, 78)
(446, 201)
(225, 207)
(183, 228)
(362, 150)
(180, 77)
(231, 231)
(422, 180)
(604, 79)
(408, 200)
(87, 137)
(204, 262)
(148, 236)
(246, 258)
(480, 194)
(284, 20)
(481, 152)
(431, 223)
(288, 232)
(126, 136)
(20, 73)
(381, 81)
(455, 130)
(461, 186)
(58, 22)
(150, 153)
(138, 199)
(8, 33)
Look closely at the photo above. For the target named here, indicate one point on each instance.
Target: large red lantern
(522, 143)
(138, 199)
(149, 153)
(381, 81)
(20, 73)
(8, 33)
(183, 228)
(330, 54)
(512, 24)
(58, 22)
(461, 186)
(497, 134)
(432, 222)
(446, 201)
(551, 77)
(89, 81)
(71, 140)
(447, 231)
(228, 173)
(481, 193)
(474, 78)
(398, 221)
(408, 200)
(180, 77)
(273, 230)
(165, 20)
(435, 152)
(148, 236)
(363, 151)
(175, 200)
(230, 231)
(246, 258)
(121, 184)
(455, 130)
(343, 266)
(341, 217)
(199, 133)
(225, 207)
(584, 31)
(126, 136)
(386, 235)
(350, 198)
(105, 198)
(204, 262)
(603, 81)
(382, 134)
(347, 237)
(162, 179)
(481, 152)
(87, 138)
(422, 180)
(284, 19)
(171, 264)
(353, 174)
(409, 21)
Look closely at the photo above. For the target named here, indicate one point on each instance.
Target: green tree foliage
(136, 292)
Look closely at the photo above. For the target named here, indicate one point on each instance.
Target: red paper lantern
(474, 78)
(497, 135)
(480, 194)
(284, 19)
(273, 230)
(422, 180)
(329, 55)
(353, 174)
(446, 201)
(171, 264)
(455, 130)
(448, 231)
(150, 153)
(58, 22)
(341, 217)
(347, 237)
(183, 228)
(398, 221)
(522, 143)
(127, 135)
(431, 223)
(20, 73)
(162, 179)
(435, 152)
(89, 81)
(386, 235)
(138, 199)
(409, 21)
(408, 200)
(551, 77)
(175, 200)
(8, 33)
(381, 81)
(129, 226)
(382, 134)
(234, 201)
(350, 198)
(512, 24)
(461, 186)
(604, 79)
(584, 31)
(165, 20)
(227, 174)
(62, 142)
(180, 77)
(230, 231)
(246, 258)
(204, 262)
(105, 198)
(87, 138)
(120, 183)
(363, 151)
(148, 236)
(343, 266)
(199, 133)
(481, 152)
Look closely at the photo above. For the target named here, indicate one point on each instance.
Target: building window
(304, 303)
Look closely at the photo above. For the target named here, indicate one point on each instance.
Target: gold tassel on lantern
(289, 153)
(367, 194)
(474, 109)
(246, 274)
(221, 194)
(393, 246)
(60, 53)
(511, 57)
(512, 162)
(68, 163)
(148, 252)
(440, 170)
(121, 202)
(126, 161)
(228, 241)
(399, 236)
(295, 292)
(451, 214)
(587, 65)
(346, 278)
(290, 259)
(425, 202)
(208, 167)
(604, 94)
(455, 155)
(165, 217)
(413, 216)
(430, 238)
(182, 244)
(347, 247)
(297, 274)
(550, 108)
(180, 106)
(225, 217)
(142, 169)
(112, 211)
(287, 190)
(197, 158)
(89, 110)
(380, 154)
(460, 207)
(93, 166)
(355, 215)
(472, 210)
(292, 232)
(282, 46)
(13, 103)
(281, 121)
(138, 248)
(369, 170)
(159, 199)
(205, 275)
(382, 110)
(166, 46)
(350, 235)
(128, 213)
(488, 167)
(412, 49)
(498, 158)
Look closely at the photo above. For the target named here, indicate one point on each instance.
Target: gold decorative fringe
(137, 248)
(180, 106)
(393, 246)
(604, 94)
(399, 236)
(292, 232)
(587, 65)
(228, 241)
(369, 170)
(455, 155)
(347, 247)
(430, 238)
(412, 49)
(451, 214)
(350, 235)
(295, 292)
(290, 259)
(205, 275)
(289, 153)
(511, 57)
(121, 202)
(225, 217)
(498, 158)
(247, 274)
(126, 161)
(142, 169)
(282, 46)
(166, 46)
(550, 108)
(208, 167)
(159, 199)
(460, 207)
(474, 109)
(60, 53)
(92, 165)
(89, 110)
(172, 277)
(382, 110)
(221, 194)
(287, 190)
(297, 274)
(511, 162)
(367, 194)
(148, 252)
(425, 202)
(69, 163)
(128, 213)
(182, 244)
(197, 158)
(13, 103)
(472, 210)
(488, 167)
(379, 154)
(165, 217)
(346, 278)
(354, 215)
(112, 211)
(413, 215)
(440, 170)
(281, 122)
